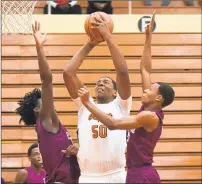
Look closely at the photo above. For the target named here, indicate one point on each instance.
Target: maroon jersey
(140, 150)
(58, 167)
(34, 177)
(141, 144)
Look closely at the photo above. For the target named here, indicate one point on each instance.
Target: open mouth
(100, 89)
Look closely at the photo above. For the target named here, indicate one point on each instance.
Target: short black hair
(167, 92)
(113, 82)
(29, 152)
(27, 105)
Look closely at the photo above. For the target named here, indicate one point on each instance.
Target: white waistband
(103, 174)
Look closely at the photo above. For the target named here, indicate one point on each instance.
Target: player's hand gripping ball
(98, 26)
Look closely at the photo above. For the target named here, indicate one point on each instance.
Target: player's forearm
(117, 57)
(74, 64)
(125, 123)
(107, 120)
(44, 70)
(146, 63)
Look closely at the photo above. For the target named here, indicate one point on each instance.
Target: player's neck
(37, 169)
(152, 107)
(104, 101)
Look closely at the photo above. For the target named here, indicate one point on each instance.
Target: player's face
(38, 107)
(104, 88)
(36, 158)
(150, 96)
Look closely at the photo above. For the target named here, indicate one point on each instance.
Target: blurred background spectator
(104, 6)
(189, 2)
(63, 7)
(166, 2)
(149, 2)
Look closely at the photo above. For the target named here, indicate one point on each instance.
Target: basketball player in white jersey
(101, 152)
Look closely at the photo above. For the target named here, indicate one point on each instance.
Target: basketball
(94, 33)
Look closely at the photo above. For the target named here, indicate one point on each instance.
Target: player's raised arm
(146, 63)
(45, 75)
(146, 119)
(122, 76)
(70, 77)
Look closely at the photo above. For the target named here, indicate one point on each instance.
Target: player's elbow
(123, 71)
(46, 78)
(113, 125)
(68, 72)
(145, 70)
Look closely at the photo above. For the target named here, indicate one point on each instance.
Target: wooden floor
(176, 59)
(138, 7)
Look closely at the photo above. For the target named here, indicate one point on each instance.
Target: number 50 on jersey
(99, 131)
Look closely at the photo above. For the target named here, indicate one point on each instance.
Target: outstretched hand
(84, 95)
(102, 25)
(150, 26)
(39, 38)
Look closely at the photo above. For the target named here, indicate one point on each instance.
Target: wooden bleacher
(138, 7)
(176, 59)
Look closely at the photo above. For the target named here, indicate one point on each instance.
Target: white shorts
(118, 177)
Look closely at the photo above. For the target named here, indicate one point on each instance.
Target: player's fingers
(63, 151)
(39, 26)
(70, 147)
(94, 27)
(36, 25)
(93, 23)
(98, 19)
(154, 13)
(85, 88)
(147, 28)
(153, 18)
(80, 90)
(33, 29)
(69, 150)
(80, 94)
(75, 151)
(102, 17)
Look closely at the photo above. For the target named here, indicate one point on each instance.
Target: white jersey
(101, 151)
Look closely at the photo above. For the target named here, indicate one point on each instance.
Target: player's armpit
(125, 105)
